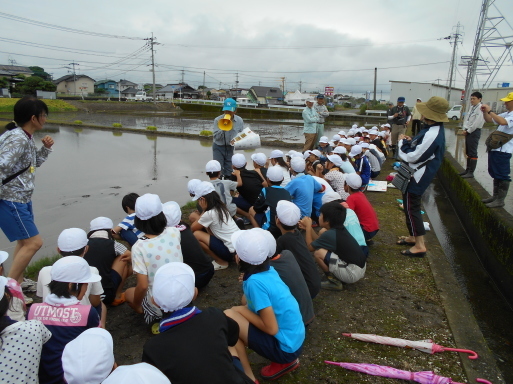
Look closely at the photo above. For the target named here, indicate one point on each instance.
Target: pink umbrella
(424, 345)
(424, 377)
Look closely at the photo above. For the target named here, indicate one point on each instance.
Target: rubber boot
(495, 192)
(466, 169)
(503, 191)
(472, 163)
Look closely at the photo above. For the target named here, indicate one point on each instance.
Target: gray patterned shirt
(18, 151)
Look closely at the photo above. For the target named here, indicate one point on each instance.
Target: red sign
(462, 95)
(328, 91)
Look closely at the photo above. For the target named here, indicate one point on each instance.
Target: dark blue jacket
(362, 165)
(428, 145)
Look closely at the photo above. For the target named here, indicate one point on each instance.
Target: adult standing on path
(19, 159)
(415, 116)
(499, 158)
(399, 116)
(310, 118)
(472, 124)
(424, 153)
(222, 148)
(321, 109)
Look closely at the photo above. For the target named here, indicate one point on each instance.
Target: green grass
(33, 268)
(78, 121)
(151, 128)
(7, 105)
(117, 125)
(206, 133)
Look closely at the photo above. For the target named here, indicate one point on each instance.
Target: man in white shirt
(472, 124)
(321, 109)
(499, 158)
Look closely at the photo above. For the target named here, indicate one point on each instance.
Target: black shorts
(110, 294)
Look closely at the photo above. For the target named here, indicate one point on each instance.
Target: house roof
(267, 91)
(131, 90)
(16, 69)
(126, 82)
(171, 88)
(104, 82)
(70, 78)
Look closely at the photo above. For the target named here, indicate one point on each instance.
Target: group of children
(283, 199)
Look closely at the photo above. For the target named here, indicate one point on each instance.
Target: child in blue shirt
(270, 321)
(361, 165)
(126, 230)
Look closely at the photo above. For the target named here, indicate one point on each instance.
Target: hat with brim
(434, 109)
(508, 98)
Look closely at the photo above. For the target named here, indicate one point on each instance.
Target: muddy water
(456, 146)
(493, 314)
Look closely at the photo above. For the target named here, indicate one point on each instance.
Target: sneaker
(240, 223)
(28, 285)
(155, 328)
(119, 301)
(275, 370)
(246, 221)
(332, 283)
(28, 300)
(218, 267)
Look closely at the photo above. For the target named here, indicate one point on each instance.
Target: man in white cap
(310, 119)
(190, 337)
(222, 148)
(323, 113)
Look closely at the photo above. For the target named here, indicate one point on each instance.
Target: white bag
(247, 139)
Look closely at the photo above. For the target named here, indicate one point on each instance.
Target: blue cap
(230, 105)
(320, 96)
(401, 99)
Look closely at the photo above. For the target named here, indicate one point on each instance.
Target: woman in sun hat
(424, 153)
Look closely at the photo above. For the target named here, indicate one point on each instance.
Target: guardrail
(375, 112)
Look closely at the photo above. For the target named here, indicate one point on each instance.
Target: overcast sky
(331, 43)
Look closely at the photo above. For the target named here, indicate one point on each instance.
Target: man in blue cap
(222, 149)
(399, 116)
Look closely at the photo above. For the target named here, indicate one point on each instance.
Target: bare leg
(103, 318)
(204, 240)
(240, 351)
(194, 216)
(252, 214)
(319, 256)
(420, 245)
(129, 297)
(23, 253)
(122, 268)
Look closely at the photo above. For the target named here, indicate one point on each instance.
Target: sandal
(218, 267)
(404, 242)
(119, 301)
(413, 254)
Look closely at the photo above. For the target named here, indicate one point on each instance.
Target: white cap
(382, 134)
(271, 241)
(336, 137)
(339, 150)
(335, 159)
(291, 153)
(330, 196)
(351, 141)
(296, 154)
(73, 269)
(239, 160)
(386, 125)
(317, 153)
(288, 213)
(172, 212)
(142, 373)
(3, 256)
(275, 173)
(72, 239)
(373, 146)
(173, 286)
(324, 139)
(354, 180)
(418, 98)
(213, 166)
(297, 164)
(89, 358)
(100, 223)
(192, 184)
(276, 154)
(306, 154)
(259, 158)
(310, 100)
(355, 151)
(364, 145)
(354, 126)
(365, 131)
(331, 143)
(251, 246)
(148, 206)
(204, 188)
(351, 132)
(342, 133)
(373, 132)
(3, 283)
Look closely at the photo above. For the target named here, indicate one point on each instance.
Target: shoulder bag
(404, 175)
(497, 139)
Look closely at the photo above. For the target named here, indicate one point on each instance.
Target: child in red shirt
(358, 202)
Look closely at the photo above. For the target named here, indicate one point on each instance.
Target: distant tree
(201, 87)
(4, 83)
(40, 72)
(100, 91)
(209, 94)
(31, 84)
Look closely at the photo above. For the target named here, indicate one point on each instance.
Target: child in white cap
(335, 177)
(361, 164)
(141, 373)
(260, 163)
(287, 218)
(111, 258)
(21, 341)
(194, 345)
(264, 210)
(192, 252)
(89, 358)
(17, 308)
(216, 218)
(225, 188)
(324, 147)
(276, 159)
(270, 323)
(336, 251)
(62, 313)
(73, 242)
(162, 246)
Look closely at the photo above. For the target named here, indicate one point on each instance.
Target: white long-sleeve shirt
(474, 119)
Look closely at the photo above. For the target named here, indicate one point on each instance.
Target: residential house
(177, 91)
(13, 70)
(298, 98)
(129, 92)
(124, 84)
(75, 84)
(110, 86)
(265, 95)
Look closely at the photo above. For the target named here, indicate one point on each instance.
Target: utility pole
(182, 82)
(153, 42)
(203, 78)
(456, 37)
(375, 81)
(283, 85)
(74, 78)
(300, 82)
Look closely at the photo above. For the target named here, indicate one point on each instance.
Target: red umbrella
(424, 345)
(423, 377)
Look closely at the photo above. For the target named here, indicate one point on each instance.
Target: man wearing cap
(310, 118)
(416, 116)
(472, 124)
(222, 148)
(499, 158)
(399, 116)
(322, 111)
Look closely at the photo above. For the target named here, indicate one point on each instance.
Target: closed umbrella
(426, 346)
(423, 377)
